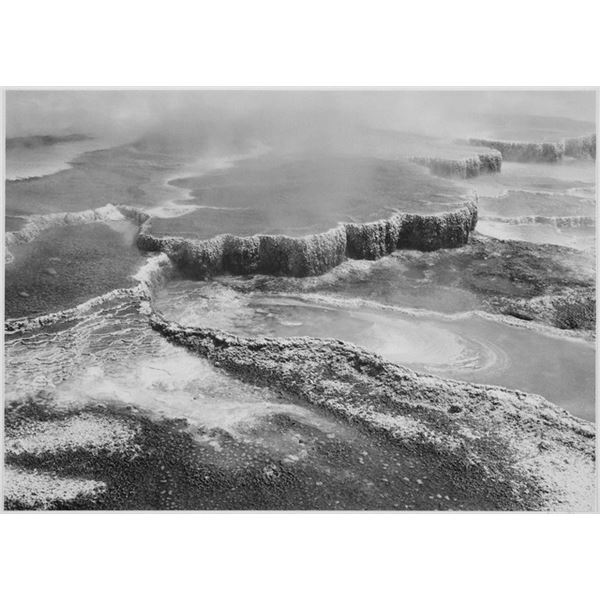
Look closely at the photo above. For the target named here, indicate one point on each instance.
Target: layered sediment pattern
(517, 444)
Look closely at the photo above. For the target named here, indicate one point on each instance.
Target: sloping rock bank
(570, 310)
(462, 168)
(512, 444)
(312, 254)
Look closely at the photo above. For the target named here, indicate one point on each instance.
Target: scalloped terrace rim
(317, 253)
(312, 254)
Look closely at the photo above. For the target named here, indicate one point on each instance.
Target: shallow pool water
(469, 346)
(271, 451)
(23, 162)
(580, 238)
(525, 191)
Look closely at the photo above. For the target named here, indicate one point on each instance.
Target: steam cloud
(127, 115)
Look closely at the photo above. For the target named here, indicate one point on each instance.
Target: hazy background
(124, 115)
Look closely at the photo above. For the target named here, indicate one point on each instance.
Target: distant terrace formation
(36, 141)
(514, 151)
(462, 168)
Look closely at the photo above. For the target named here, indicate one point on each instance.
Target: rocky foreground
(379, 436)
(516, 446)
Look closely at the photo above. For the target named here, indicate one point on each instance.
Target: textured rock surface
(546, 283)
(581, 147)
(313, 254)
(38, 437)
(463, 168)
(70, 264)
(515, 443)
(572, 309)
(147, 277)
(30, 490)
(35, 224)
(42, 448)
(524, 151)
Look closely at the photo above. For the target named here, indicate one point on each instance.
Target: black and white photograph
(300, 299)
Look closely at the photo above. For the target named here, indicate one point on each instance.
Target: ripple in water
(112, 357)
(465, 346)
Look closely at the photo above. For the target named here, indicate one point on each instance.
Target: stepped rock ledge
(312, 254)
(549, 151)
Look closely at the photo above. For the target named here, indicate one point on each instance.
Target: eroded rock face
(581, 147)
(524, 151)
(516, 445)
(463, 168)
(317, 253)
